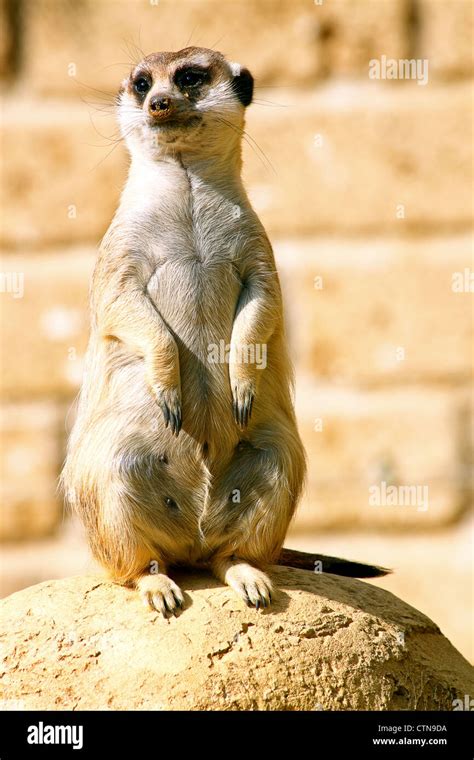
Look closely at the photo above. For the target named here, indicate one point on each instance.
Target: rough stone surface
(77, 146)
(446, 37)
(55, 301)
(362, 158)
(327, 643)
(379, 311)
(372, 312)
(351, 158)
(65, 43)
(357, 439)
(5, 40)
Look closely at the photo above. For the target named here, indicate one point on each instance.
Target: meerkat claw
(175, 420)
(166, 414)
(170, 405)
(242, 408)
(162, 594)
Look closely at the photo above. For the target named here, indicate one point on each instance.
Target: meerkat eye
(188, 78)
(141, 85)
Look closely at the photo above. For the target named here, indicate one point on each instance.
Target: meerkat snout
(160, 106)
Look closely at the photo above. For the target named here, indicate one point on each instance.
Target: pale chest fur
(174, 215)
(193, 234)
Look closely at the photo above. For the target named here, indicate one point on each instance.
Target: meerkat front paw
(252, 585)
(160, 593)
(243, 394)
(169, 401)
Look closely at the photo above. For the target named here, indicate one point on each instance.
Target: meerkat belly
(197, 300)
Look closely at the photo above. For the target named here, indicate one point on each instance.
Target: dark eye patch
(189, 78)
(141, 84)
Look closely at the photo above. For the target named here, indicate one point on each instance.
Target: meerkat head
(188, 100)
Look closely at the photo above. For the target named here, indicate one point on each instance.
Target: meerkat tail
(334, 565)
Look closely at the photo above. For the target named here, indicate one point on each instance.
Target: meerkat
(185, 449)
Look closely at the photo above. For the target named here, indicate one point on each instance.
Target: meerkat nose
(160, 105)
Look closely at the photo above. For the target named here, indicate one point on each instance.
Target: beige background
(364, 187)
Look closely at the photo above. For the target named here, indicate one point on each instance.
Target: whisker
(107, 108)
(269, 103)
(99, 105)
(137, 54)
(96, 166)
(217, 41)
(111, 65)
(115, 137)
(94, 89)
(190, 36)
(117, 143)
(250, 141)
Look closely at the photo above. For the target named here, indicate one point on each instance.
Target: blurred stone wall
(364, 188)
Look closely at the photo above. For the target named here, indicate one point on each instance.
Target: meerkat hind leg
(160, 593)
(251, 584)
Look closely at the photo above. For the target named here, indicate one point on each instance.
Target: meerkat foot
(251, 584)
(160, 593)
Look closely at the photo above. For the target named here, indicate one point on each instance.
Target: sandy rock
(327, 643)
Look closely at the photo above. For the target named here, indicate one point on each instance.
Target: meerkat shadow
(348, 591)
(325, 587)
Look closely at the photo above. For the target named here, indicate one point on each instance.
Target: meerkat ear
(242, 84)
